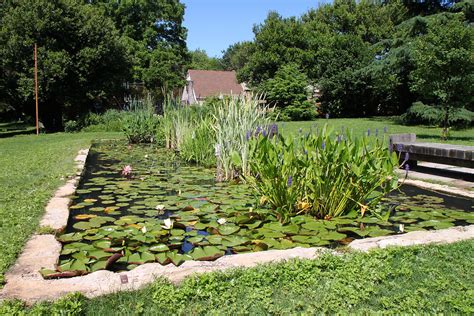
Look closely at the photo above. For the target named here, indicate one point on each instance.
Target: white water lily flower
(160, 207)
(221, 221)
(143, 229)
(168, 223)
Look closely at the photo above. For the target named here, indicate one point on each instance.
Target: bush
(321, 174)
(288, 91)
(420, 113)
(109, 121)
(71, 126)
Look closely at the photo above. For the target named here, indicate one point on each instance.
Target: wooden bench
(457, 155)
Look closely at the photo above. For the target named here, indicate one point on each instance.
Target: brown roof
(214, 82)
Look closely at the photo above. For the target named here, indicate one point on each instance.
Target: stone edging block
(57, 210)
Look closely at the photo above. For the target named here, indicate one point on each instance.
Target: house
(201, 84)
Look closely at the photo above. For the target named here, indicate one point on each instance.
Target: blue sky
(213, 25)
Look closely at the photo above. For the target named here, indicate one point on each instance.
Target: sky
(213, 25)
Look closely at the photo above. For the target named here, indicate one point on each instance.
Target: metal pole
(36, 91)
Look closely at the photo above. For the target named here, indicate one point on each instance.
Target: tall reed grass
(234, 119)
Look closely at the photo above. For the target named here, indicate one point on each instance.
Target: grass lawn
(31, 169)
(415, 280)
(360, 126)
(431, 279)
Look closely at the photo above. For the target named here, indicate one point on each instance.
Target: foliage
(178, 121)
(444, 62)
(411, 280)
(236, 56)
(109, 121)
(322, 174)
(420, 113)
(235, 118)
(288, 92)
(198, 145)
(73, 72)
(369, 58)
(154, 37)
(141, 125)
(200, 60)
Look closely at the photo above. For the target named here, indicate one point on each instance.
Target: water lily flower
(167, 224)
(143, 229)
(127, 171)
(160, 207)
(221, 221)
(401, 228)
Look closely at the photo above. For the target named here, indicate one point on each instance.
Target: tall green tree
(81, 60)
(237, 55)
(444, 64)
(200, 60)
(155, 39)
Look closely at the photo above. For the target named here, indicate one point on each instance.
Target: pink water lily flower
(127, 171)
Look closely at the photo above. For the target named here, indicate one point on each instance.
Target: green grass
(31, 169)
(415, 280)
(360, 126)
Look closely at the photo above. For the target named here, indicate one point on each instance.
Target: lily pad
(206, 253)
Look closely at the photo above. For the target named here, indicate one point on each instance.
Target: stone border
(57, 211)
(23, 280)
(441, 188)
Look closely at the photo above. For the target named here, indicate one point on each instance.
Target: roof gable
(208, 83)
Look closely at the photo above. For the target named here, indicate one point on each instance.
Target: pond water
(169, 212)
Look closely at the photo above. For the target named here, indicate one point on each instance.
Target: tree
(444, 64)
(154, 37)
(288, 91)
(200, 60)
(237, 55)
(81, 60)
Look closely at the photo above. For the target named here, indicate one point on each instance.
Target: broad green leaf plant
(321, 174)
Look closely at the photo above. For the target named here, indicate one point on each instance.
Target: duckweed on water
(170, 212)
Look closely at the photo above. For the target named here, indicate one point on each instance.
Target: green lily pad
(159, 248)
(228, 229)
(206, 253)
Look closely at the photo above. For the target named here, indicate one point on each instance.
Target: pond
(168, 212)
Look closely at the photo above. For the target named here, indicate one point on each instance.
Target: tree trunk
(446, 123)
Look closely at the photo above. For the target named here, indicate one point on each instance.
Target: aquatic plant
(127, 171)
(141, 124)
(321, 175)
(234, 118)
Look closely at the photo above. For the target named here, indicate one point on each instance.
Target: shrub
(420, 113)
(71, 126)
(109, 121)
(323, 174)
(235, 118)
